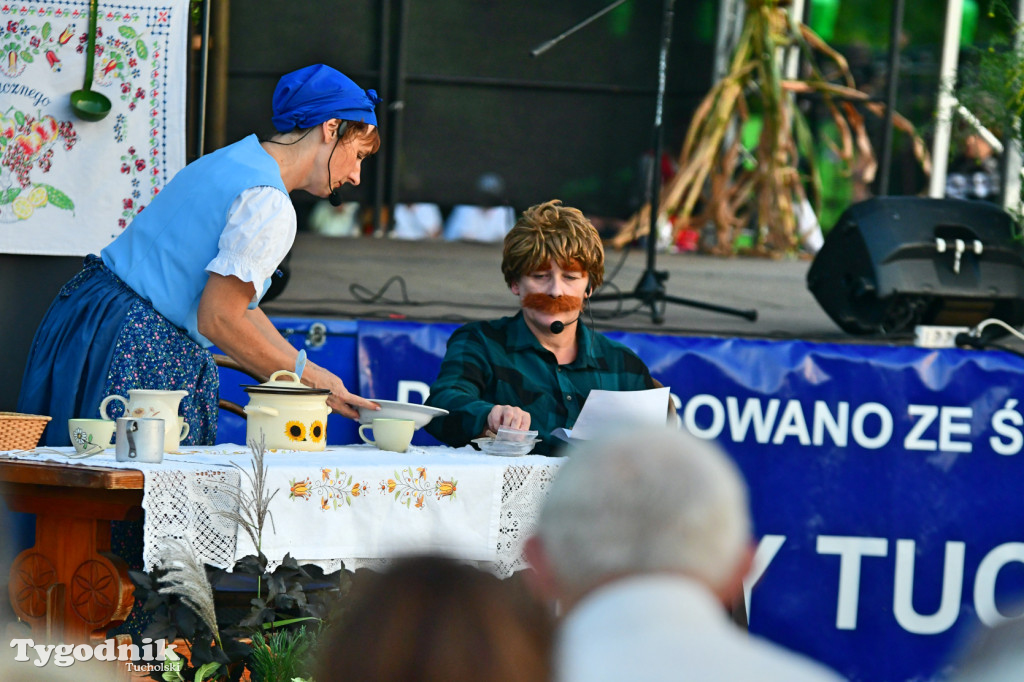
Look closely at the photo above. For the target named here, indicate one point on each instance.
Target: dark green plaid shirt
(501, 362)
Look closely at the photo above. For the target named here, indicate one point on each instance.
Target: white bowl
(505, 448)
(392, 409)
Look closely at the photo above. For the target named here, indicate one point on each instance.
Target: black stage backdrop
(572, 123)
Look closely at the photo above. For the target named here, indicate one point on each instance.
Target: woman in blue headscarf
(191, 268)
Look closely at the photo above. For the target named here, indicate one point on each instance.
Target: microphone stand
(650, 289)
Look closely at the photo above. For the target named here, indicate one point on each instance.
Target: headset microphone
(335, 196)
(557, 327)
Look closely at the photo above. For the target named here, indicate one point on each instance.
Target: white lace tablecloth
(353, 504)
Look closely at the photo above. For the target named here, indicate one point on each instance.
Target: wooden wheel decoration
(31, 576)
(94, 592)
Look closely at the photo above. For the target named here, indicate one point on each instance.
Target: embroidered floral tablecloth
(69, 186)
(351, 504)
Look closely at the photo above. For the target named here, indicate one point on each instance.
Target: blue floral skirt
(100, 338)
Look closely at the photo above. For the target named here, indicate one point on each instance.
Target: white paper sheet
(605, 409)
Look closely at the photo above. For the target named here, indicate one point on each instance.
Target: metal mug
(139, 440)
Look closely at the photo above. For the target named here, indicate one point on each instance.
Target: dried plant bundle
(186, 577)
(713, 184)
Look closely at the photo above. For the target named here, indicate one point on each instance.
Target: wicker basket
(21, 431)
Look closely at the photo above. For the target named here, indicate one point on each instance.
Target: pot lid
(289, 385)
(263, 388)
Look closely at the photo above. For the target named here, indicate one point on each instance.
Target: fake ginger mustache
(552, 304)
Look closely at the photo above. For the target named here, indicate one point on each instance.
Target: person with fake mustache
(534, 370)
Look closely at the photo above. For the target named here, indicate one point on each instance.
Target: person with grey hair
(993, 654)
(645, 539)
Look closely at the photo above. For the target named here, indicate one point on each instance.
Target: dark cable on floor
(363, 295)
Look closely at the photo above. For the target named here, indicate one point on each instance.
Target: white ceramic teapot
(154, 404)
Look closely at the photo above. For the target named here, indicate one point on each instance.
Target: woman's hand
(341, 400)
(249, 337)
(507, 416)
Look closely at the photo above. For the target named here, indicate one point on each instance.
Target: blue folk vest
(162, 255)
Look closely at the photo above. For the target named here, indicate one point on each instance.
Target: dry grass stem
(186, 578)
(253, 505)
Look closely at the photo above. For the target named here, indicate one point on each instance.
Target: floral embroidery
(409, 487)
(27, 144)
(128, 67)
(299, 489)
(333, 489)
(445, 489)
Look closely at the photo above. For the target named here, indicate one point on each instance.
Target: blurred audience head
(490, 189)
(995, 654)
(643, 501)
(429, 618)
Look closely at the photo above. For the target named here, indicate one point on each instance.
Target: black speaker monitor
(891, 263)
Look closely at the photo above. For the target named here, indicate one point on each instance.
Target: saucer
(392, 409)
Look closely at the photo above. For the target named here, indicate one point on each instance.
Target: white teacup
(391, 434)
(86, 433)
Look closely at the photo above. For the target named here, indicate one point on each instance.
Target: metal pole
(204, 50)
(1010, 161)
(383, 81)
(895, 33)
(397, 108)
(730, 24)
(946, 100)
(218, 78)
(544, 47)
(659, 127)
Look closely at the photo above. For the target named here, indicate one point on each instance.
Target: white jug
(154, 404)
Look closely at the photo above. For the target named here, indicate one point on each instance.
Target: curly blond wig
(550, 231)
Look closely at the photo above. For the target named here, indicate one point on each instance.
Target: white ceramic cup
(86, 433)
(390, 434)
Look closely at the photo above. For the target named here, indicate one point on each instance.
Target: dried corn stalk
(713, 185)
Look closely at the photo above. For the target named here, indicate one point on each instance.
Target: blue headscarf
(314, 94)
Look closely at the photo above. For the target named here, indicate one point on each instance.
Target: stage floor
(457, 282)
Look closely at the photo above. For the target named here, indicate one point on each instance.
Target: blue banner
(885, 482)
(885, 485)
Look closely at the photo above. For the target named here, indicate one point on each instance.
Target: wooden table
(69, 586)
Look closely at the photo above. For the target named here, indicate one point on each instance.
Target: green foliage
(991, 86)
(283, 606)
(282, 655)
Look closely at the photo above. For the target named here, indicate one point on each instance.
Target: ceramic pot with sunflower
(290, 416)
